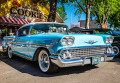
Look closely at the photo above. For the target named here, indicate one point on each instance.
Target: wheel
(45, 63)
(116, 51)
(9, 52)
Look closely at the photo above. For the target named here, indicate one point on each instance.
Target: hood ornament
(91, 42)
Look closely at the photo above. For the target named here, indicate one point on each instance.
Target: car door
(22, 41)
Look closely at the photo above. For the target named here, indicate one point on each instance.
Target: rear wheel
(44, 62)
(9, 52)
(116, 51)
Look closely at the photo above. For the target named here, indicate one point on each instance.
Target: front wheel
(116, 51)
(44, 62)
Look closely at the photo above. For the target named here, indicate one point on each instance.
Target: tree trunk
(102, 25)
(87, 14)
(52, 12)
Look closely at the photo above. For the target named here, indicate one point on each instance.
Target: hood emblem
(91, 42)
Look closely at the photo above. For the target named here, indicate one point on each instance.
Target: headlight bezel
(69, 42)
(64, 40)
(109, 40)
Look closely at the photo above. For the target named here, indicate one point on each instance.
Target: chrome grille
(78, 53)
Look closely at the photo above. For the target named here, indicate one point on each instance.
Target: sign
(26, 11)
(75, 24)
(39, 20)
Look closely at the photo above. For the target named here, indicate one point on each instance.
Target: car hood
(88, 40)
(80, 39)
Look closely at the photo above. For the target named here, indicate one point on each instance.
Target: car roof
(42, 23)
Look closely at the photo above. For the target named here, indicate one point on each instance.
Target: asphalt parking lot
(19, 70)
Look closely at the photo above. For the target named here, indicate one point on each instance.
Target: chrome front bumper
(57, 60)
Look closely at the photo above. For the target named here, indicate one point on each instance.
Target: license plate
(96, 60)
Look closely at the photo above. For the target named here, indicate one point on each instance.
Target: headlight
(64, 41)
(109, 40)
(67, 41)
(70, 41)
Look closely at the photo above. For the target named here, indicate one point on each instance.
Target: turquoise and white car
(52, 46)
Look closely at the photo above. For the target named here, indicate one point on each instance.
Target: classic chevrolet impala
(52, 46)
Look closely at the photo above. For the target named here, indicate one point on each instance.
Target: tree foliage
(103, 9)
(114, 19)
(61, 11)
(53, 5)
(100, 9)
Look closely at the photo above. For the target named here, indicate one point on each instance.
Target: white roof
(42, 23)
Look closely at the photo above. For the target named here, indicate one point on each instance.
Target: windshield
(85, 32)
(49, 28)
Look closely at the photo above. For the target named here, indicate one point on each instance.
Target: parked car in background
(115, 33)
(86, 31)
(116, 41)
(52, 46)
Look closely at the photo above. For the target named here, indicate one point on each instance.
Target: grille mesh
(78, 53)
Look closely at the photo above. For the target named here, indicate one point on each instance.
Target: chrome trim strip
(32, 44)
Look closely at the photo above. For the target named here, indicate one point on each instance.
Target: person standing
(3, 32)
(15, 30)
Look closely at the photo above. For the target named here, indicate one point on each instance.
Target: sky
(70, 10)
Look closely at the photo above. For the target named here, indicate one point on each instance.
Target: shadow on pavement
(32, 68)
(117, 60)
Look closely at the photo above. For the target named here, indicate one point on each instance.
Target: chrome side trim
(32, 44)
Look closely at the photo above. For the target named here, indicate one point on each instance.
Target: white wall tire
(9, 52)
(44, 62)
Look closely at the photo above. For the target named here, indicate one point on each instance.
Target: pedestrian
(3, 32)
(15, 30)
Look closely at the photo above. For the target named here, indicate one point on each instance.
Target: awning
(13, 20)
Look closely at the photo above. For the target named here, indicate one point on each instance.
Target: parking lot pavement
(19, 70)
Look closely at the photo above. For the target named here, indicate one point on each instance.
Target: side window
(24, 31)
(37, 30)
(40, 28)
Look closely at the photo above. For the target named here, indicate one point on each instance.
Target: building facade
(15, 13)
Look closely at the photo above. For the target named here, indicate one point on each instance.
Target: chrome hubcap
(10, 53)
(44, 61)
